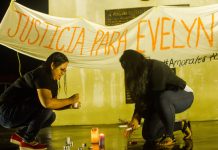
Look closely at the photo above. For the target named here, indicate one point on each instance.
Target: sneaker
(32, 146)
(167, 141)
(186, 129)
(16, 139)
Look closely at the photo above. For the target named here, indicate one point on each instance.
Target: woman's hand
(76, 103)
(74, 98)
(133, 124)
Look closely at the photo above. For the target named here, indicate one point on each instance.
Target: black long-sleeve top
(160, 78)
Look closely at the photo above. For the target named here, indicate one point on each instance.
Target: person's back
(24, 88)
(163, 78)
(158, 94)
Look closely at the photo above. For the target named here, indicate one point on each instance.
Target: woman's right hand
(75, 98)
(133, 124)
(75, 101)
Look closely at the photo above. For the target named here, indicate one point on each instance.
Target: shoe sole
(167, 144)
(15, 142)
(187, 138)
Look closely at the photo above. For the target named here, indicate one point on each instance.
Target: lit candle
(101, 140)
(94, 135)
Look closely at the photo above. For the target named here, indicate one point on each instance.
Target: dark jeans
(28, 118)
(161, 117)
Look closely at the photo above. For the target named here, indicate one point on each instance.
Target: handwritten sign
(174, 35)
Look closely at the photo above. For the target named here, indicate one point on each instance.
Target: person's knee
(53, 117)
(50, 115)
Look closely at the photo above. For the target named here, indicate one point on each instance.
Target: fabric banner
(176, 35)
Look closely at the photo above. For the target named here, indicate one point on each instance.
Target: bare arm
(45, 97)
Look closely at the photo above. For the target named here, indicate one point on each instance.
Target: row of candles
(97, 140)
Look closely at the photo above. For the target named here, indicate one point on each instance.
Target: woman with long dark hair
(27, 104)
(158, 95)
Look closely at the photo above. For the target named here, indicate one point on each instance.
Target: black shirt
(24, 89)
(160, 78)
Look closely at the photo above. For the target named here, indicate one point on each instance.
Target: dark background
(9, 65)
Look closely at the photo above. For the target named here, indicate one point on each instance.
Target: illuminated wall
(103, 98)
(203, 78)
(101, 94)
(102, 91)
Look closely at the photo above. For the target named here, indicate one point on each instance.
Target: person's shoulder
(156, 62)
(39, 69)
(31, 74)
(39, 72)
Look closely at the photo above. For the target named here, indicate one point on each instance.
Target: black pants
(28, 118)
(161, 117)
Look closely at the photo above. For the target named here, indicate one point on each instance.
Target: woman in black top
(28, 103)
(158, 95)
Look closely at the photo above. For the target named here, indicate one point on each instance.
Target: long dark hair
(57, 59)
(136, 72)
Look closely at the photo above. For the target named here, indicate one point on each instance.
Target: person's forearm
(58, 103)
(65, 107)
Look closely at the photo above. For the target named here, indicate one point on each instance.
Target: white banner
(178, 36)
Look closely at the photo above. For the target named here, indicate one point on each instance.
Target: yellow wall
(103, 98)
(96, 13)
(203, 78)
(102, 92)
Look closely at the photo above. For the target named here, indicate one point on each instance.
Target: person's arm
(71, 106)
(45, 97)
(159, 77)
(133, 124)
(135, 121)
